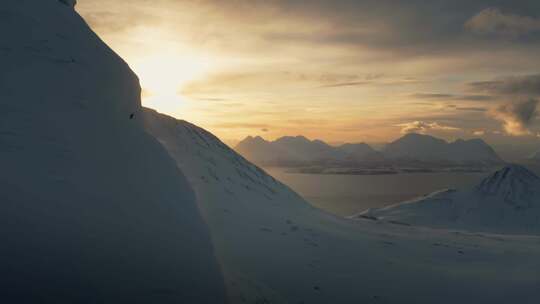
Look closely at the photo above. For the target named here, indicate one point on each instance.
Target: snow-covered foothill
(507, 201)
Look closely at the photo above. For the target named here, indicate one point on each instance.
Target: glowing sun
(163, 75)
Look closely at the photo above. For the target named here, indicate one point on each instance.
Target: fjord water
(350, 194)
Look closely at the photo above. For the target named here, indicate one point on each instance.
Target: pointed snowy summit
(513, 183)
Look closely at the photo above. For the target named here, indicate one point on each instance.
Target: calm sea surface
(351, 194)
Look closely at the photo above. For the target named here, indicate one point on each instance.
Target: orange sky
(341, 71)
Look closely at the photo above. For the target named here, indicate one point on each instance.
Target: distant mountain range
(507, 201)
(431, 149)
(299, 149)
(410, 148)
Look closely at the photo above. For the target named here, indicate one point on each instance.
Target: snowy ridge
(507, 201)
(221, 164)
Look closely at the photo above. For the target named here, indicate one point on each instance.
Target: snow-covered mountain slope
(507, 201)
(275, 248)
(92, 209)
(299, 149)
(430, 149)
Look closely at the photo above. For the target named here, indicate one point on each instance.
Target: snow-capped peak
(514, 183)
(507, 202)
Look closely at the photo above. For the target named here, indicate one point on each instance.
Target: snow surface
(275, 248)
(92, 208)
(507, 201)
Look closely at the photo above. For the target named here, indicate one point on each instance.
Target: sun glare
(163, 75)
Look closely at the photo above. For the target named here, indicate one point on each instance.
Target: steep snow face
(275, 248)
(507, 201)
(427, 148)
(93, 210)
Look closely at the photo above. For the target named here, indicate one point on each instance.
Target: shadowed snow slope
(507, 201)
(275, 248)
(92, 209)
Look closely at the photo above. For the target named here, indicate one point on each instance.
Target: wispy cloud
(528, 85)
(438, 96)
(346, 84)
(479, 133)
(424, 127)
(473, 109)
(494, 21)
